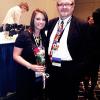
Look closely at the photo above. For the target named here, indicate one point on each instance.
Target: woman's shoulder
(22, 39)
(24, 33)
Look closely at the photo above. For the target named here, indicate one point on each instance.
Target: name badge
(56, 61)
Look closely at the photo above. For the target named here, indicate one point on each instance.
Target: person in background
(94, 54)
(65, 53)
(14, 14)
(87, 78)
(27, 45)
(90, 20)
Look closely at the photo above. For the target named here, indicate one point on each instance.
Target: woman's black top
(25, 41)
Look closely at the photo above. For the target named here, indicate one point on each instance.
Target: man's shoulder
(54, 20)
(79, 24)
(78, 20)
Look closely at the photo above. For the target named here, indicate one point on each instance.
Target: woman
(25, 55)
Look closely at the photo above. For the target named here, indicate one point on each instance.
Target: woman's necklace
(38, 40)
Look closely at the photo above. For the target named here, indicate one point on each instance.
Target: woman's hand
(37, 68)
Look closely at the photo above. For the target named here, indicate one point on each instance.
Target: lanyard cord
(57, 40)
(64, 28)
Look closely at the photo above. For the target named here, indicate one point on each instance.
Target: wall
(47, 5)
(83, 8)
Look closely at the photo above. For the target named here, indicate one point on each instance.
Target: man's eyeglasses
(66, 4)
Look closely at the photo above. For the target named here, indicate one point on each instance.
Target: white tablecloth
(5, 38)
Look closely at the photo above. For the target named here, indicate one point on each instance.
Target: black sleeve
(21, 40)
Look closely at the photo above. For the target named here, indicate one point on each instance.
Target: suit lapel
(51, 26)
(72, 29)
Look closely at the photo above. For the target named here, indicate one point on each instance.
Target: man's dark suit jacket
(76, 40)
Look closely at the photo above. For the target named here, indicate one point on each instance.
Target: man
(65, 53)
(14, 14)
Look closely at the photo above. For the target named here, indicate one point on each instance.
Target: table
(7, 66)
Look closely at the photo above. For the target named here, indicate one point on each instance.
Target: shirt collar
(65, 20)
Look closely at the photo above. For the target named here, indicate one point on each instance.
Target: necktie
(59, 32)
(56, 40)
(62, 24)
